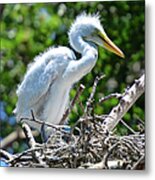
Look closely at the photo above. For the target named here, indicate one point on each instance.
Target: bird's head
(90, 29)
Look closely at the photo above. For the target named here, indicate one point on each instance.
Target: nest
(92, 143)
(86, 145)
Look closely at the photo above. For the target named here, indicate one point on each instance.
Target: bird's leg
(44, 136)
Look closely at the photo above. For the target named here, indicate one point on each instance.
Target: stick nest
(88, 144)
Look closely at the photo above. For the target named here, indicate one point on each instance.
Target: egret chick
(46, 86)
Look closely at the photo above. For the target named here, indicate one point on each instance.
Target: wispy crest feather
(85, 18)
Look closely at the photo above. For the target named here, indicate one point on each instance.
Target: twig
(31, 141)
(16, 158)
(79, 91)
(91, 97)
(142, 158)
(113, 95)
(5, 155)
(18, 134)
(108, 153)
(140, 120)
(81, 105)
(56, 127)
(130, 97)
(127, 126)
(28, 134)
(104, 163)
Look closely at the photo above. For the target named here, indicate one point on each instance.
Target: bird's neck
(85, 64)
(80, 45)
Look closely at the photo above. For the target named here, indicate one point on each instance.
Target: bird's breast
(56, 102)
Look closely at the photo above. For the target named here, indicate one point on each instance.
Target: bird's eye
(95, 31)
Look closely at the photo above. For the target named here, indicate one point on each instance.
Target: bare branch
(91, 97)
(5, 155)
(142, 158)
(56, 127)
(15, 135)
(126, 102)
(28, 134)
(127, 126)
(113, 95)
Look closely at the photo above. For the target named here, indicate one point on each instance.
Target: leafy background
(29, 29)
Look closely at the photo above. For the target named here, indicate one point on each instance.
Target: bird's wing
(35, 84)
(41, 75)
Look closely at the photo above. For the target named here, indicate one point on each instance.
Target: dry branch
(91, 97)
(15, 135)
(29, 136)
(126, 102)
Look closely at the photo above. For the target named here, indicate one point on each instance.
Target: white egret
(46, 86)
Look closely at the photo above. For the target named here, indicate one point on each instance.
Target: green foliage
(29, 29)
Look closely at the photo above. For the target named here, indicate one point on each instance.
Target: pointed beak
(109, 45)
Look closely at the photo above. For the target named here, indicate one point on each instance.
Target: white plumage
(47, 83)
